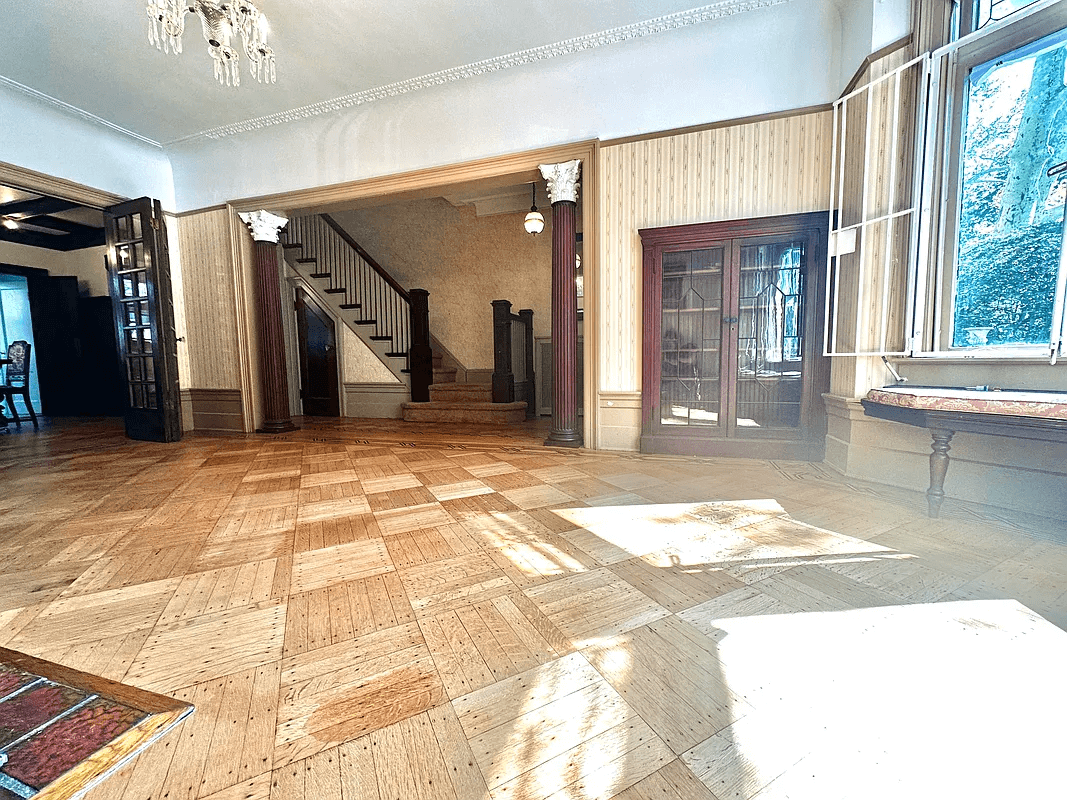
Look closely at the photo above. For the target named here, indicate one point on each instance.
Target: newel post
(526, 315)
(503, 379)
(563, 191)
(265, 228)
(420, 358)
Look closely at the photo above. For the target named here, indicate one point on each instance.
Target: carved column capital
(562, 180)
(263, 225)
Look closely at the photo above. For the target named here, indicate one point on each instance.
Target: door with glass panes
(139, 275)
(732, 361)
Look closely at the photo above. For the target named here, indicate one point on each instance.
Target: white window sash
(858, 232)
(941, 71)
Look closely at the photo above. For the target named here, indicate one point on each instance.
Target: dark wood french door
(319, 391)
(138, 268)
(733, 359)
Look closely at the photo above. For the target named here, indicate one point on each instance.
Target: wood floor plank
(257, 752)
(223, 768)
(322, 776)
(255, 788)
(319, 569)
(358, 778)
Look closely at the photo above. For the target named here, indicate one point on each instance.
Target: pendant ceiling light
(535, 221)
(220, 21)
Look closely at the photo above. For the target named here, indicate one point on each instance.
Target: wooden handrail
(385, 276)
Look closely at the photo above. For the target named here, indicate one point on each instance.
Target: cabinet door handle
(729, 320)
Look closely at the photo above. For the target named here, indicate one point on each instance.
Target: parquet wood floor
(367, 610)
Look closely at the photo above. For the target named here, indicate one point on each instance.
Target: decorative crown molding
(562, 180)
(669, 22)
(263, 225)
(69, 109)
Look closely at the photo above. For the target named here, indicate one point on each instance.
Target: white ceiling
(94, 54)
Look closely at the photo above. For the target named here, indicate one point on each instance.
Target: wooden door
(139, 274)
(319, 391)
(733, 359)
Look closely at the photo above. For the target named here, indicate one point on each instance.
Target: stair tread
(320, 274)
(365, 322)
(306, 260)
(291, 245)
(381, 338)
(335, 291)
(351, 305)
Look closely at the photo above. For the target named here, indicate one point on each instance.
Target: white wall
(40, 136)
(866, 27)
(777, 58)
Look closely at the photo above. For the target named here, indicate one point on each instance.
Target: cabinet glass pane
(691, 334)
(770, 346)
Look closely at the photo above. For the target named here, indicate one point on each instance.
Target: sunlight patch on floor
(931, 700)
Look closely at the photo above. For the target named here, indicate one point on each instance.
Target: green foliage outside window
(1011, 212)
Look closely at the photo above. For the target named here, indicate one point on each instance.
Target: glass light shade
(534, 222)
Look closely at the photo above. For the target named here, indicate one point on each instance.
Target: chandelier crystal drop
(220, 22)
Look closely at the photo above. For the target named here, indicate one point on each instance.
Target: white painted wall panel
(37, 135)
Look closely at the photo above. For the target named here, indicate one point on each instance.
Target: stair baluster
(356, 283)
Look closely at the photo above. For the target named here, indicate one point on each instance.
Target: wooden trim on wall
(215, 409)
(419, 184)
(726, 123)
(590, 314)
(877, 55)
(218, 207)
(39, 183)
(243, 289)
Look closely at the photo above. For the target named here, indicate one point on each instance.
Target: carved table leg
(935, 495)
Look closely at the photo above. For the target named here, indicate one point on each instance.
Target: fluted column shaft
(563, 190)
(265, 228)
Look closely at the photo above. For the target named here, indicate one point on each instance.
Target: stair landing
(464, 411)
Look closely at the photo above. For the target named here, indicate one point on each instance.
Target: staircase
(385, 316)
(392, 322)
(461, 402)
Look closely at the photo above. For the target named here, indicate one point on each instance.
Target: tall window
(1010, 229)
(991, 272)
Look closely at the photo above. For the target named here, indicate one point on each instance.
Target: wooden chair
(17, 380)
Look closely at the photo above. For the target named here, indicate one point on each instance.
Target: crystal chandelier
(220, 20)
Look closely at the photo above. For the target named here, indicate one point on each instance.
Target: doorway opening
(16, 323)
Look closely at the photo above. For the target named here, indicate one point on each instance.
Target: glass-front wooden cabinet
(732, 357)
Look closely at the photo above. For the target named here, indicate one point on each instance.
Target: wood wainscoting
(212, 410)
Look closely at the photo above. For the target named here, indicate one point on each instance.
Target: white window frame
(938, 240)
(930, 290)
(853, 237)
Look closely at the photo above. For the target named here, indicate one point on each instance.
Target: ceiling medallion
(220, 21)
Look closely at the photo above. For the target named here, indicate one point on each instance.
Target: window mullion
(1059, 317)
(922, 194)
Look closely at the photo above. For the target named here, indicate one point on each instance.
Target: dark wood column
(563, 190)
(265, 228)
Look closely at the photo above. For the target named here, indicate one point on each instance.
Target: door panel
(691, 337)
(770, 336)
(139, 274)
(318, 358)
